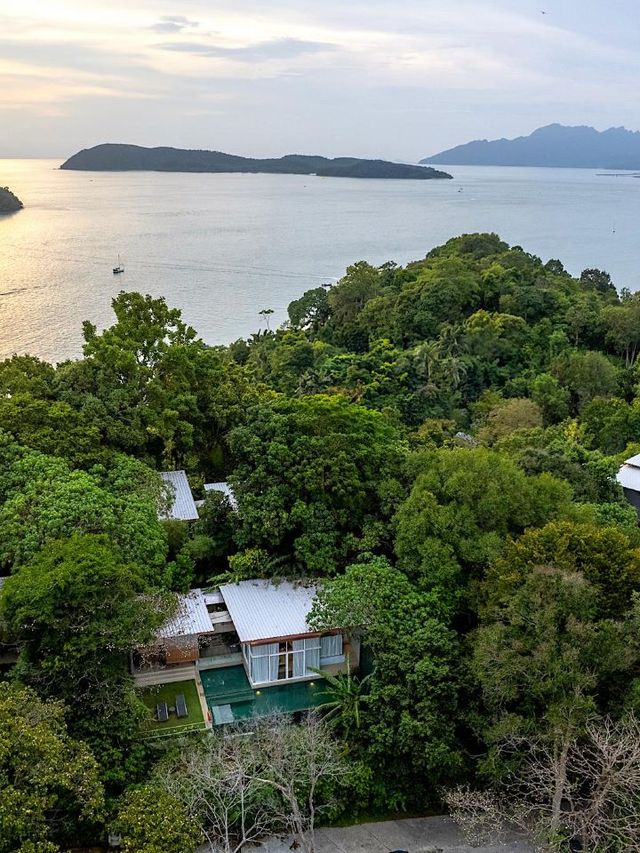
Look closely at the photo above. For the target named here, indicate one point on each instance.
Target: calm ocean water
(223, 247)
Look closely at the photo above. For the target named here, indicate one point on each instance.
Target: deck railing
(189, 728)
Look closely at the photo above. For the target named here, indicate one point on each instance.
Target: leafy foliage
(313, 476)
(438, 443)
(150, 820)
(75, 613)
(408, 728)
(49, 786)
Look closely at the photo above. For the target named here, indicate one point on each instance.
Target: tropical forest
(436, 447)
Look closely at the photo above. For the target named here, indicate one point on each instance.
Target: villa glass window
(270, 662)
(263, 660)
(331, 649)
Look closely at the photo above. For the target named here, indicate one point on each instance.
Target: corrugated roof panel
(226, 489)
(184, 507)
(629, 477)
(633, 460)
(191, 617)
(264, 610)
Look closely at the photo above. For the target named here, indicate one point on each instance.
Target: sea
(223, 248)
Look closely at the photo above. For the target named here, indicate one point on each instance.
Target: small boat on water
(119, 268)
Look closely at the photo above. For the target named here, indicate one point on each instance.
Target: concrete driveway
(417, 835)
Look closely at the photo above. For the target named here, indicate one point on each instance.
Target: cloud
(283, 48)
(365, 77)
(173, 24)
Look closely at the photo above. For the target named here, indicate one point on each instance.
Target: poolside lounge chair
(162, 712)
(181, 706)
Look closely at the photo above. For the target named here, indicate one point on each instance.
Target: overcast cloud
(398, 79)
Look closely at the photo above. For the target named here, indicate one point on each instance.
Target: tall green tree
(76, 611)
(50, 793)
(42, 499)
(409, 729)
(316, 480)
(557, 642)
(153, 388)
(463, 506)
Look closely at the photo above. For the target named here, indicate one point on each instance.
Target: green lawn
(168, 692)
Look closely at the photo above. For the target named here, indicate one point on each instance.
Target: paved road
(417, 835)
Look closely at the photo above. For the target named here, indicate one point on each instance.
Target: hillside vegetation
(439, 443)
(117, 158)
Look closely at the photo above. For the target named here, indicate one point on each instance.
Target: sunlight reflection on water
(222, 247)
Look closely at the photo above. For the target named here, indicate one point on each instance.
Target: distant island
(122, 158)
(553, 145)
(9, 202)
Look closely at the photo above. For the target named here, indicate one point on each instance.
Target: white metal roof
(191, 617)
(226, 489)
(633, 460)
(264, 610)
(183, 507)
(629, 477)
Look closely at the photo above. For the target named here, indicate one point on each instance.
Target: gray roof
(629, 474)
(183, 507)
(191, 617)
(264, 610)
(226, 489)
(629, 477)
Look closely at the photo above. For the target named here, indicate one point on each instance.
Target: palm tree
(453, 370)
(426, 356)
(265, 314)
(346, 697)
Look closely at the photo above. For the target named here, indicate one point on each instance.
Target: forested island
(554, 145)
(434, 445)
(9, 202)
(120, 158)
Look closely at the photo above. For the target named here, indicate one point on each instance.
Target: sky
(397, 79)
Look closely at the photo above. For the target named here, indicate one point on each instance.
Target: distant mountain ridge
(117, 157)
(555, 145)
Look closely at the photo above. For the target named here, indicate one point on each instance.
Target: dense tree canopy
(150, 820)
(43, 499)
(315, 479)
(408, 730)
(463, 505)
(437, 443)
(75, 612)
(49, 786)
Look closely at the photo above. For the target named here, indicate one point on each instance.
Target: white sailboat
(119, 268)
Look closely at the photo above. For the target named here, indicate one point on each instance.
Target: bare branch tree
(584, 787)
(263, 778)
(295, 761)
(479, 814)
(606, 813)
(215, 784)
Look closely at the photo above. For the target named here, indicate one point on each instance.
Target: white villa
(249, 649)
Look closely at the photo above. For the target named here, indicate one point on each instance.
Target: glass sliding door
(269, 663)
(264, 663)
(331, 649)
(312, 655)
